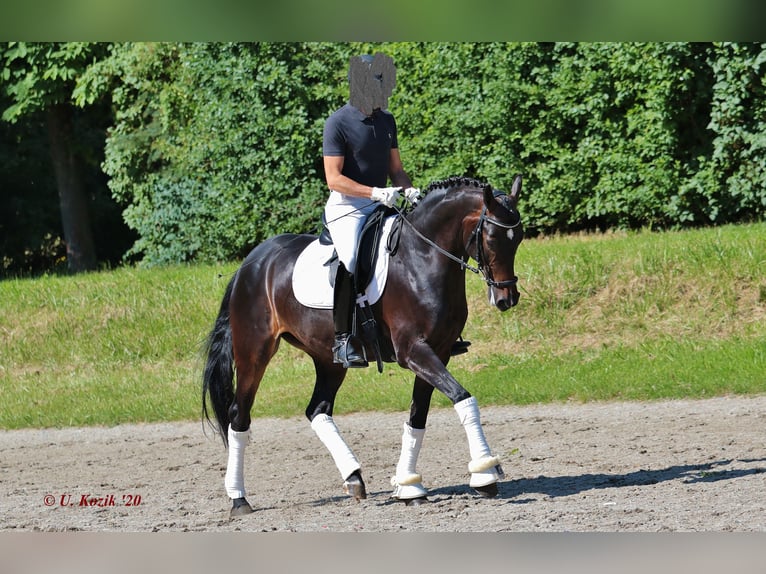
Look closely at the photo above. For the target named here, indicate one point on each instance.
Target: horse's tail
(218, 376)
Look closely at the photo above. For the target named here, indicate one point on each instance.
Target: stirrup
(344, 352)
(459, 347)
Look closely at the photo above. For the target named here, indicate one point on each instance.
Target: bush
(217, 146)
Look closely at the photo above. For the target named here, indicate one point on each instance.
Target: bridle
(476, 235)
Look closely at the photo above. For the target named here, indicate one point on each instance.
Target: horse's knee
(458, 395)
(321, 408)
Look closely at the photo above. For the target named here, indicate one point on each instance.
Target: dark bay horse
(421, 314)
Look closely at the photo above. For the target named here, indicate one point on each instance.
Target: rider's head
(371, 81)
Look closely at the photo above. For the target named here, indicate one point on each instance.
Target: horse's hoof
(413, 490)
(416, 501)
(240, 507)
(484, 476)
(487, 491)
(354, 486)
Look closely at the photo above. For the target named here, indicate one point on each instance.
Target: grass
(629, 316)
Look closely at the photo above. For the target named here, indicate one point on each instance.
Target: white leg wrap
(235, 467)
(407, 482)
(484, 468)
(328, 433)
(412, 439)
(468, 411)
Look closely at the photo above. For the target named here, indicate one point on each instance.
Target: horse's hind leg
(249, 375)
(319, 413)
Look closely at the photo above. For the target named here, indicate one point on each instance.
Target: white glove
(412, 194)
(386, 195)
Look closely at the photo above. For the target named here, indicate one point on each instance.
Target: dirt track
(616, 467)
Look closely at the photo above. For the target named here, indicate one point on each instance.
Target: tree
(216, 146)
(41, 77)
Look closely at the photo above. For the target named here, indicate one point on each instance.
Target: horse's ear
(489, 195)
(516, 188)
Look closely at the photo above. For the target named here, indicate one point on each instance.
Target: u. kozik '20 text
(99, 501)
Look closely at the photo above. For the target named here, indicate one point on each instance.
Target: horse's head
(496, 238)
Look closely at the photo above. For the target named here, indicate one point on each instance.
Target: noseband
(478, 235)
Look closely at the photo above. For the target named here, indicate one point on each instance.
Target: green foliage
(731, 180)
(607, 135)
(35, 77)
(38, 74)
(216, 146)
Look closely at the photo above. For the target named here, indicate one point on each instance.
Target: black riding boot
(345, 350)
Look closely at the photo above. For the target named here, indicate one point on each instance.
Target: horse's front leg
(407, 483)
(484, 467)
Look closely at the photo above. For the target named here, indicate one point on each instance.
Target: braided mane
(455, 181)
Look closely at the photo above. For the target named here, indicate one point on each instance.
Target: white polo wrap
(468, 411)
(412, 440)
(328, 433)
(483, 464)
(235, 467)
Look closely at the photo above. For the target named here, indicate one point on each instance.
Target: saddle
(368, 246)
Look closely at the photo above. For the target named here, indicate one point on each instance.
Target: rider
(360, 153)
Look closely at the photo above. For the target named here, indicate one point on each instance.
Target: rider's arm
(396, 172)
(333, 166)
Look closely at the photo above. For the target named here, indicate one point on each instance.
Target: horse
(421, 314)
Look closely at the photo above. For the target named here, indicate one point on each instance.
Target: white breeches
(345, 217)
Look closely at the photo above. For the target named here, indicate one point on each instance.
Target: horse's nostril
(503, 304)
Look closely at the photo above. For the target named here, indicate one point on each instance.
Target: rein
(476, 234)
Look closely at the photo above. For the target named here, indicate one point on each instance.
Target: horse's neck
(442, 219)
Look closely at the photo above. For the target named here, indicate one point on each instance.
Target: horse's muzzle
(504, 298)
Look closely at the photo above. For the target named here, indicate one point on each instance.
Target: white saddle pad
(311, 279)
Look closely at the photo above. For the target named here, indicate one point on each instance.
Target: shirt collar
(360, 115)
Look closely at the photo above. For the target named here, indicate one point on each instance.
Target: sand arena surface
(601, 467)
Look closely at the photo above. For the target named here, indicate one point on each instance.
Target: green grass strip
(620, 316)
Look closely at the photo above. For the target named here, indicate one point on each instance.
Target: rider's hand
(412, 194)
(386, 195)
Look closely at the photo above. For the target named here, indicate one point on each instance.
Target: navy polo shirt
(365, 142)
